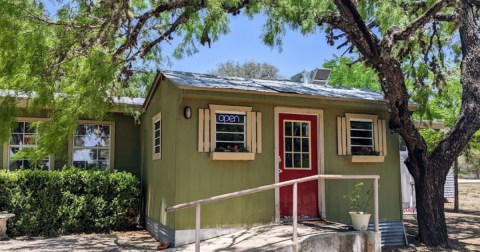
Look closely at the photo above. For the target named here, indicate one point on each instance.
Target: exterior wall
(127, 144)
(184, 174)
(198, 177)
(159, 176)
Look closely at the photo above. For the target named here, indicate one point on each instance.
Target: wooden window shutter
(341, 136)
(381, 137)
(254, 132)
(204, 130)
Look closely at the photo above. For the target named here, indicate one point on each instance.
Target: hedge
(67, 201)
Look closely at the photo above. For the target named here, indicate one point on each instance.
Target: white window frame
(301, 168)
(361, 118)
(214, 109)
(7, 146)
(111, 150)
(157, 118)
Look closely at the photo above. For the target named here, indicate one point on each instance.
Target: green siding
(192, 176)
(158, 176)
(127, 144)
(199, 177)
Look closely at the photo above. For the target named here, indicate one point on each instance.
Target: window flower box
(366, 159)
(232, 156)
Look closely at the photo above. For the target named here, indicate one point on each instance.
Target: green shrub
(71, 200)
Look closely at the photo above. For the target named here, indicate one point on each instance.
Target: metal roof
(129, 101)
(209, 81)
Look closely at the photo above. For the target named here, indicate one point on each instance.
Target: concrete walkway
(468, 180)
(278, 237)
(116, 241)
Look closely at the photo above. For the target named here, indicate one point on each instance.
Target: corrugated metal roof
(195, 80)
(129, 101)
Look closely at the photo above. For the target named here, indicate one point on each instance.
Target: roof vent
(317, 76)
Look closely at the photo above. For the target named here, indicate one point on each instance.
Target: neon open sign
(229, 118)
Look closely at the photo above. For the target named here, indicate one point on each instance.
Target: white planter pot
(360, 220)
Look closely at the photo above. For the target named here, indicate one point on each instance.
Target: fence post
(197, 228)
(375, 204)
(295, 242)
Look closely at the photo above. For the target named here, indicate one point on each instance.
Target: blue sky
(244, 43)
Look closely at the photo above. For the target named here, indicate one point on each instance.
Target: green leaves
(52, 203)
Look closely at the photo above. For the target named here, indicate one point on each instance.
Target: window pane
(296, 160)
(230, 137)
(157, 125)
(296, 129)
(288, 160)
(81, 130)
(305, 146)
(230, 128)
(29, 128)
(15, 165)
(16, 139)
(305, 129)
(28, 139)
(361, 141)
(103, 154)
(361, 133)
(305, 160)
(296, 145)
(157, 149)
(361, 125)
(288, 144)
(288, 128)
(157, 141)
(20, 128)
(157, 133)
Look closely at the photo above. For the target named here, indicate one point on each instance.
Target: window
(297, 144)
(362, 135)
(23, 136)
(157, 136)
(92, 145)
(230, 131)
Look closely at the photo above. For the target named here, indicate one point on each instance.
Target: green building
(204, 135)
(201, 135)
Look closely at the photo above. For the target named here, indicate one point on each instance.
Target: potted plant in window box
(366, 155)
(359, 201)
(233, 152)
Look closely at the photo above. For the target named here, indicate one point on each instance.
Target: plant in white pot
(359, 201)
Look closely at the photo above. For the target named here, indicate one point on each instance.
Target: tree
(76, 59)
(348, 73)
(401, 40)
(89, 50)
(249, 70)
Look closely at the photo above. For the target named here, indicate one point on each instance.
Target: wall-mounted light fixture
(187, 112)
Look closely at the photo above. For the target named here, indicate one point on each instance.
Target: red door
(298, 158)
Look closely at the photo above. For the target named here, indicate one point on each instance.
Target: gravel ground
(115, 241)
(463, 227)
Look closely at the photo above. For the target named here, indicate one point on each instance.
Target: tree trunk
(455, 179)
(432, 228)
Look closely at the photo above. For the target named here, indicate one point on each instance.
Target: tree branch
(396, 35)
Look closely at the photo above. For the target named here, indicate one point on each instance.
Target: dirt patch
(463, 227)
(115, 241)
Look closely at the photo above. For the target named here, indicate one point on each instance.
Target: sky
(244, 43)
